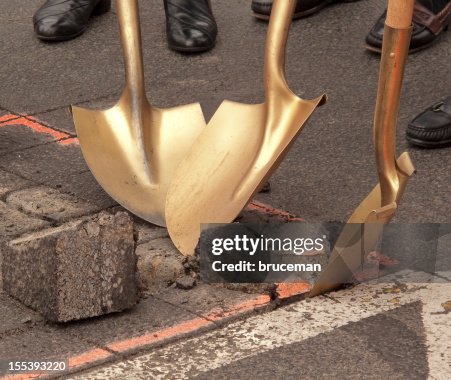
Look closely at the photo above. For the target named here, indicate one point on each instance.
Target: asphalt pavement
(328, 171)
(396, 328)
(330, 168)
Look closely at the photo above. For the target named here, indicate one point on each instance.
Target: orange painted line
(8, 117)
(378, 258)
(287, 290)
(95, 355)
(32, 123)
(158, 336)
(187, 327)
(261, 207)
(239, 308)
(88, 357)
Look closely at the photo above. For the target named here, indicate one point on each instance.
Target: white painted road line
(295, 323)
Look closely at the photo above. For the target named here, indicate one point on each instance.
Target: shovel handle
(395, 49)
(130, 31)
(279, 26)
(399, 13)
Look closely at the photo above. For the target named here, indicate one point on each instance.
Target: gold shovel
(381, 204)
(240, 148)
(133, 148)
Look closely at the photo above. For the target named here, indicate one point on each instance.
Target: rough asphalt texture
(330, 168)
(362, 359)
(394, 329)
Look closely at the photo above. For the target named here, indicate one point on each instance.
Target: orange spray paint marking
(261, 207)
(32, 123)
(378, 258)
(8, 117)
(161, 335)
(240, 308)
(189, 326)
(88, 358)
(287, 290)
(95, 355)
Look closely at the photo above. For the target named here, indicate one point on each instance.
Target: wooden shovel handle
(399, 13)
(130, 30)
(395, 49)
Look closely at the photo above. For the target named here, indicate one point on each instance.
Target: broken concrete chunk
(186, 282)
(160, 264)
(79, 270)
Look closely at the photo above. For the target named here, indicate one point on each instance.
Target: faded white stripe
(291, 324)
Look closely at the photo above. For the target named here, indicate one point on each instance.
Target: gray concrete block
(13, 222)
(160, 264)
(47, 202)
(79, 270)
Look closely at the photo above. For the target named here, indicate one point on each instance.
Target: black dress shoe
(190, 25)
(432, 127)
(304, 8)
(427, 26)
(61, 20)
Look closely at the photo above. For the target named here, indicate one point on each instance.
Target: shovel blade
(227, 164)
(346, 256)
(133, 155)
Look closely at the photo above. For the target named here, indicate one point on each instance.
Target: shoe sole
(306, 13)
(61, 38)
(428, 144)
(191, 50)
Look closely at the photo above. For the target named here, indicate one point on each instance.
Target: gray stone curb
(79, 270)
